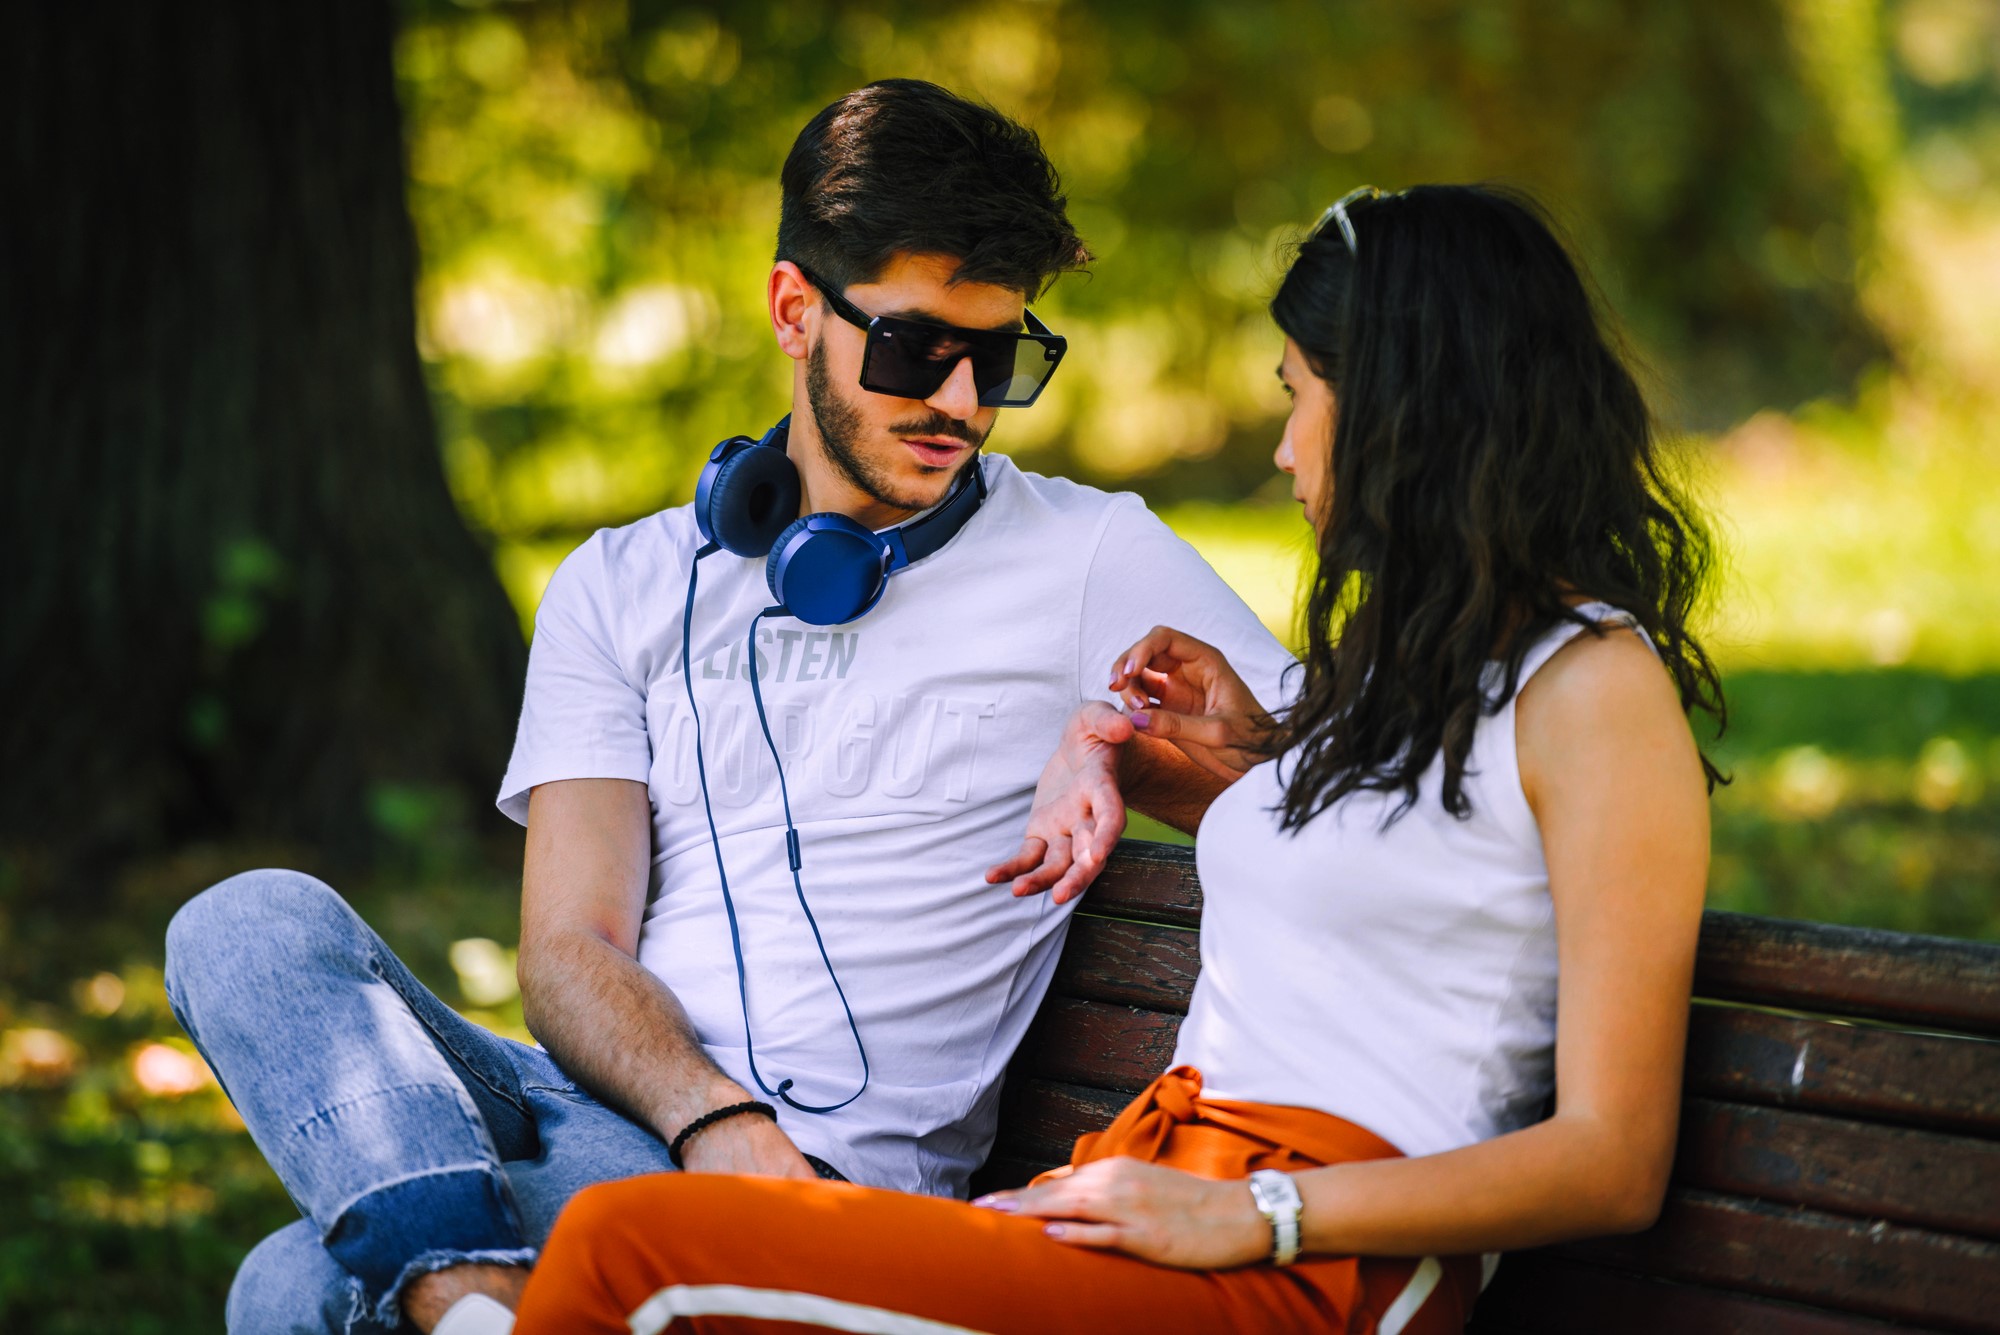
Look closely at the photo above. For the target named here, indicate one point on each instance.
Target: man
(707, 983)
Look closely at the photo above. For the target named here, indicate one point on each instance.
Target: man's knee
(254, 913)
(289, 1285)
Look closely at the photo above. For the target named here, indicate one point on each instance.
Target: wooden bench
(1839, 1163)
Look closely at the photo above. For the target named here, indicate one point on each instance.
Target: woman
(1485, 798)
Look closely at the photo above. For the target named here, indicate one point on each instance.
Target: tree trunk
(239, 600)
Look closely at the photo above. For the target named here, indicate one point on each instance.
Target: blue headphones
(826, 570)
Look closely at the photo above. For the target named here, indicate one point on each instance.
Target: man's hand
(748, 1143)
(1184, 691)
(1159, 1214)
(1079, 811)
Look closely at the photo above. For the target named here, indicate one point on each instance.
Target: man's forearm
(620, 1032)
(1157, 780)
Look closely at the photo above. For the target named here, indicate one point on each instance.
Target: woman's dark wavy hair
(1491, 455)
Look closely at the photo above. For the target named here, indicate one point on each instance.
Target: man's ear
(790, 297)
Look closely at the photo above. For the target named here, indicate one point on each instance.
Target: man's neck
(824, 487)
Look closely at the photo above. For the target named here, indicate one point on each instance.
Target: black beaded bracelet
(709, 1119)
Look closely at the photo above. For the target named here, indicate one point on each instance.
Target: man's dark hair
(904, 167)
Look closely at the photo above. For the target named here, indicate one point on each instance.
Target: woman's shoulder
(1611, 652)
(1602, 696)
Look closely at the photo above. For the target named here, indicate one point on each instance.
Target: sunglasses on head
(911, 359)
(1336, 212)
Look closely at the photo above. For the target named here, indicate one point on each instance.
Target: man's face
(903, 453)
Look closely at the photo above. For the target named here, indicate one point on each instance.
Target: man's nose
(958, 397)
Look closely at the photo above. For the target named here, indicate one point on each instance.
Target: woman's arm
(1612, 774)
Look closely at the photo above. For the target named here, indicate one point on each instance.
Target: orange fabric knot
(1142, 1130)
(1224, 1138)
(1175, 1093)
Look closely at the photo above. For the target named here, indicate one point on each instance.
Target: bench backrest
(1839, 1157)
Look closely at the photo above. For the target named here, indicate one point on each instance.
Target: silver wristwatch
(1277, 1198)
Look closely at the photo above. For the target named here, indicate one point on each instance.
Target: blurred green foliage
(595, 190)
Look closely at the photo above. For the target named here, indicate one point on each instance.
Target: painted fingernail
(1141, 719)
(1054, 1230)
(1000, 1203)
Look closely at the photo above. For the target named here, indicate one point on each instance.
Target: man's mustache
(937, 424)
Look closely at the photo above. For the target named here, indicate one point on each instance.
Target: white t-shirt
(1400, 977)
(912, 740)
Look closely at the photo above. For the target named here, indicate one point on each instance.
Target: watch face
(1273, 1191)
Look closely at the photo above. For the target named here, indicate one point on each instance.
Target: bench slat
(1856, 1169)
(1041, 1119)
(1150, 881)
(1929, 1080)
(1538, 1294)
(1092, 1043)
(1886, 1270)
(1931, 981)
(1131, 963)
(1920, 1178)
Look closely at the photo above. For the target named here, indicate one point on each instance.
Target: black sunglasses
(912, 358)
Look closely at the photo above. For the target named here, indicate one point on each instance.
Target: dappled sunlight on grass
(121, 1160)
(1861, 537)
(1869, 796)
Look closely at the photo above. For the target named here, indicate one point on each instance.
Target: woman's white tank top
(1403, 978)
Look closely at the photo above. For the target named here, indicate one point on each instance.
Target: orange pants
(712, 1253)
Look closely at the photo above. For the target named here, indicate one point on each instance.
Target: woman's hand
(1079, 810)
(1202, 707)
(1162, 1215)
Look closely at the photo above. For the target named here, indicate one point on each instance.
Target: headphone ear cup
(751, 497)
(827, 570)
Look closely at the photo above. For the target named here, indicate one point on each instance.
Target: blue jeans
(409, 1138)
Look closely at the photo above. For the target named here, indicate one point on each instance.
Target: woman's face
(1306, 449)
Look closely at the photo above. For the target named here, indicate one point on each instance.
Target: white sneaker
(475, 1314)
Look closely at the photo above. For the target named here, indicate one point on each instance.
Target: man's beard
(840, 428)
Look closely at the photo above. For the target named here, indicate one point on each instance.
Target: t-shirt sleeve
(1143, 575)
(581, 715)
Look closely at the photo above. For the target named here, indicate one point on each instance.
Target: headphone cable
(782, 1092)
